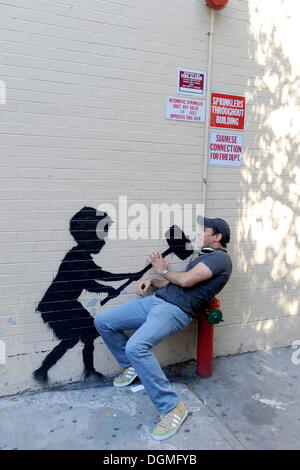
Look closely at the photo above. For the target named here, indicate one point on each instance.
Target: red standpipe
(205, 342)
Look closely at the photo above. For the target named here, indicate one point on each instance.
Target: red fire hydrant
(205, 341)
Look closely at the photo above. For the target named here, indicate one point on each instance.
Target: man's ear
(218, 237)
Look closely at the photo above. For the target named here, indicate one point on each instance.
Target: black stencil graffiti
(60, 307)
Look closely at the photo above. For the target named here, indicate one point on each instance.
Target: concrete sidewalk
(252, 401)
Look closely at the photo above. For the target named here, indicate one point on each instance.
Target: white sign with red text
(185, 109)
(225, 149)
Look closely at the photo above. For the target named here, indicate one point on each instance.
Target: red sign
(227, 111)
(191, 82)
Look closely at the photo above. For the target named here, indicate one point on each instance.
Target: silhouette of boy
(60, 307)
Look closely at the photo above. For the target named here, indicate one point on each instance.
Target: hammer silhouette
(177, 242)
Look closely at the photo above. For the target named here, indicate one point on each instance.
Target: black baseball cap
(215, 223)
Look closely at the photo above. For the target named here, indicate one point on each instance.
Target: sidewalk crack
(212, 412)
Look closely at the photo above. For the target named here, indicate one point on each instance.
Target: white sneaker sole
(170, 434)
(125, 384)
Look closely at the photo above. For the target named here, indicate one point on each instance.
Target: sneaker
(126, 378)
(170, 422)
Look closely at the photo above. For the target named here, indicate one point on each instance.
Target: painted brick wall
(84, 123)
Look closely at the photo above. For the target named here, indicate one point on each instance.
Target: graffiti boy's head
(89, 228)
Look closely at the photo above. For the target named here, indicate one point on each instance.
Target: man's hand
(143, 287)
(157, 261)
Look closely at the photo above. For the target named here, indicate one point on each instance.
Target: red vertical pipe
(205, 347)
(214, 303)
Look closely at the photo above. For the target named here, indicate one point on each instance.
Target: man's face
(206, 237)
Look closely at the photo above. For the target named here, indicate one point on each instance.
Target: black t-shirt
(195, 298)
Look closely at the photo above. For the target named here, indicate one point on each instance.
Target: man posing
(154, 317)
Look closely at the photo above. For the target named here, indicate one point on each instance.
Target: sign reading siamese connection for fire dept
(225, 149)
(185, 109)
(227, 111)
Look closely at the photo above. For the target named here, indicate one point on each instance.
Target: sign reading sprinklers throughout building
(191, 82)
(227, 111)
(225, 149)
(185, 109)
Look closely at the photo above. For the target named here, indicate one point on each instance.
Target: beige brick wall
(84, 122)
(255, 55)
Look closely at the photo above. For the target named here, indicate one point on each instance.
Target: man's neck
(215, 246)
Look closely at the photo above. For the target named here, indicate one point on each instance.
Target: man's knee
(100, 323)
(135, 348)
(104, 320)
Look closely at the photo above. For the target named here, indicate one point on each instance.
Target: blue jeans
(154, 319)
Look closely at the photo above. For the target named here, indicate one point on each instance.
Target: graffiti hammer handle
(141, 273)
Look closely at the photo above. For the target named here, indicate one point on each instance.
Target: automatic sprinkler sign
(189, 109)
(185, 109)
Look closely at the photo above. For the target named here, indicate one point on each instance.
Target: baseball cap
(215, 223)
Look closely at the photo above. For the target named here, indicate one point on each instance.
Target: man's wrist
(165, 272)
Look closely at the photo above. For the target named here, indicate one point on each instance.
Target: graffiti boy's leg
(88, 358)
(41, 374)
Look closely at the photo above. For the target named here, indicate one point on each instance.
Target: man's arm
(197, 274)
(145, 284)
(157, 283)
